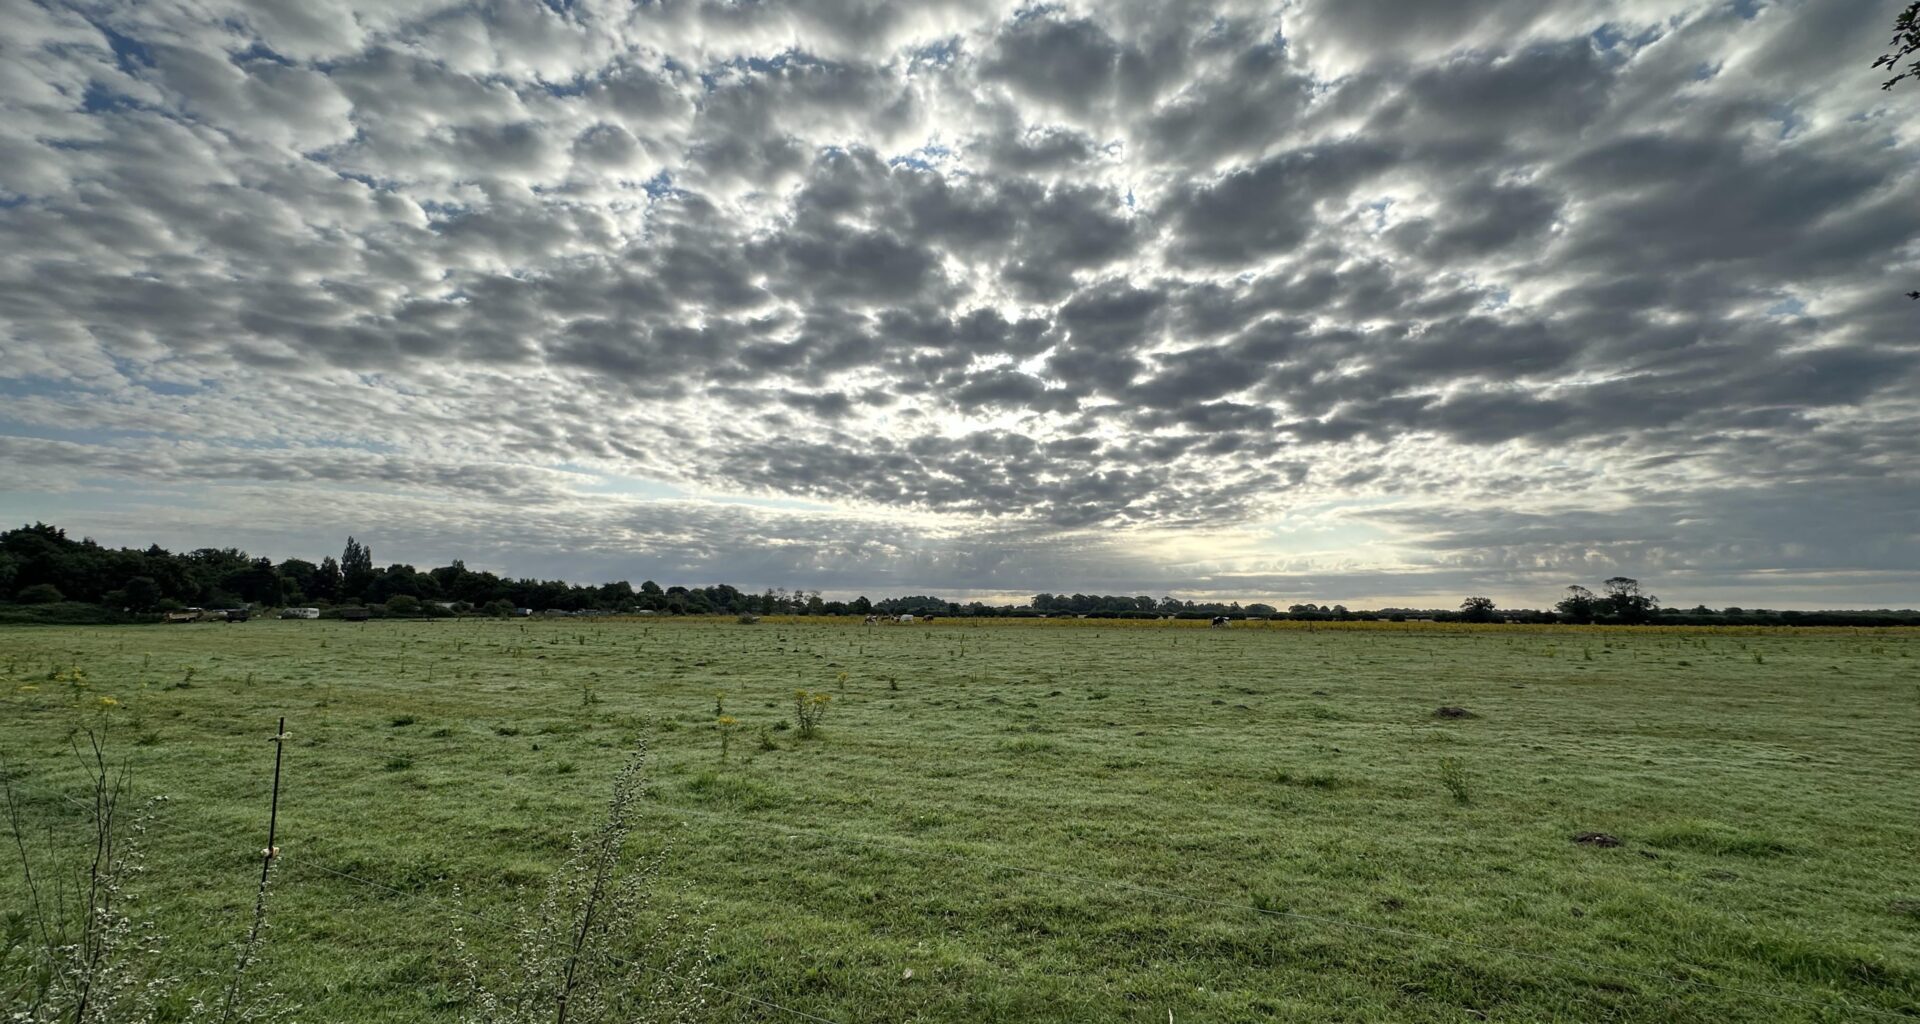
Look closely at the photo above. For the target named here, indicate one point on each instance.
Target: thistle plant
(726, 724)
(584, 953)
(809, 709)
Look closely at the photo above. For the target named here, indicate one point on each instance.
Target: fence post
(267, 857)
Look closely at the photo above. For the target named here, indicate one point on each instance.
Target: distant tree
(40, 593)
(650, 588)
(1476, 609)
(142, 593)
(498, 608)
(326, 582)
(403, 604)
(1625, 602)
(257, 583)
(356, 568)
(396, 580)
(1578, 605)
(298, 574)
(861, 606)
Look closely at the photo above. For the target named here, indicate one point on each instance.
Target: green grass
(1044, 821)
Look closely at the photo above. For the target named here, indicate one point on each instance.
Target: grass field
(1080, 821)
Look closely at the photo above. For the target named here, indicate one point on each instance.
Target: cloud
(975, 295)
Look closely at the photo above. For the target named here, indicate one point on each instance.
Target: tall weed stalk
(599, 948)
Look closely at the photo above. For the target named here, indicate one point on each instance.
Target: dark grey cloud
(1465, 294)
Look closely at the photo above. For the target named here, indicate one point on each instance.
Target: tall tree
(1578, 605)
(1625, 601)
(326, 580)
(1476, 609)
(356, 568)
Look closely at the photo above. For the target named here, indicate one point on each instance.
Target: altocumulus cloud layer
(1356, 299)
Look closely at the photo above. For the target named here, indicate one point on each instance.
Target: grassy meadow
(1036, 821)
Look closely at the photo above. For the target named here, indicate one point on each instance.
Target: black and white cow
(1220, 622)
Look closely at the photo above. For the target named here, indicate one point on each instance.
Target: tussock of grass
(1713, 837)
(727, 790)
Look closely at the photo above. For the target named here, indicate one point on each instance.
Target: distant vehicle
(355, 614)
(185, 615)
(522, 613)
(300, 613)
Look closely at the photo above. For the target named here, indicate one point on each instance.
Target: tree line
(47, 576)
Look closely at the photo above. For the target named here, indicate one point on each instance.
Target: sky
(1357, 301)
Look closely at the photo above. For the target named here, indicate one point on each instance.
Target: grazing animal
(1220, 622)
(926, 618)
(873, 620)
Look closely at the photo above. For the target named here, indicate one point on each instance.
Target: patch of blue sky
(1617, 45)
(783, 504)
(1032, 11)
(131, 373)
(260, 51)
(926, 158)
(129, 53)
(575, 86)
(443, 213)
(258, 444)
(82, 496)
(1789, 118)
(660, 186)
(39, 387)
(377, 184)
(624, 486)
(11, 427)
(1788, 306)
(935, 55)
(98, 99)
